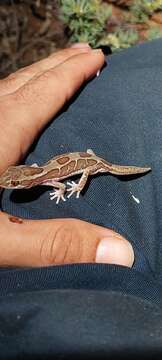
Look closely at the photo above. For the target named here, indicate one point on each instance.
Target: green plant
(121, 39)
(142, 9)
(154, 33)
(86, 20)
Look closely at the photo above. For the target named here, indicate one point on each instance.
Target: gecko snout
(7, 182)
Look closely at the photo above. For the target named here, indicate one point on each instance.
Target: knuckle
(10, 78)
(20, 96)
(27, 70)
(28, 93)
(8, 83)
(59, 247)
(15, 80)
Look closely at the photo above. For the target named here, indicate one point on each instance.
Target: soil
(29, 31)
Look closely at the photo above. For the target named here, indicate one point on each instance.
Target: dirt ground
(28, 32)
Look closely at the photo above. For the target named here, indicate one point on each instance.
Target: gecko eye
(14, 183)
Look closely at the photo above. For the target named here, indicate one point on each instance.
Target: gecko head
(9, 179)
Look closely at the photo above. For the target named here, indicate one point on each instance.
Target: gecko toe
(58, 194)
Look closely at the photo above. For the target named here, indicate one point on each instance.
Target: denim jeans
(96, 309)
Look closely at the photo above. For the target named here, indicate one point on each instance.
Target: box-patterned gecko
(61, 167)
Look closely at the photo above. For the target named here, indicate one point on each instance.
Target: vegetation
(142, 9)
(89, 21)
(32, 29)
(86, 20)
(120, 39)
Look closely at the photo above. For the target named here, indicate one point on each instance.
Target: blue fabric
(140, 261)
(118, 126)
(119, 116)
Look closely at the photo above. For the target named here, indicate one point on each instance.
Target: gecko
(61, 167)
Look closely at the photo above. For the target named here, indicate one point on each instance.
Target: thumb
(61, 241)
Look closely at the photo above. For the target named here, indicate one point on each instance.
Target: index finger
(35, 103)
(17, 79)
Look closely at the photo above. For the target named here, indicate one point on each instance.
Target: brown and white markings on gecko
(61, 167)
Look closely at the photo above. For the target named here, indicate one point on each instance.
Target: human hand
(29, 98)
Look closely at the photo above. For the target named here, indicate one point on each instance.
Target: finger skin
(55, 242)
(30, 101)
(25, 112)
(17, 79)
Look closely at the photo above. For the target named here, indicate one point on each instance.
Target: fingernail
(81, 45)
(113, 250)
(103, 250)
(97, 51)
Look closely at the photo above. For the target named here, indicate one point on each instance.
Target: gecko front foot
(58, 194)
(73, 188)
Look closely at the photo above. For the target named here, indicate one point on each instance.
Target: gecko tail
(127, 170)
